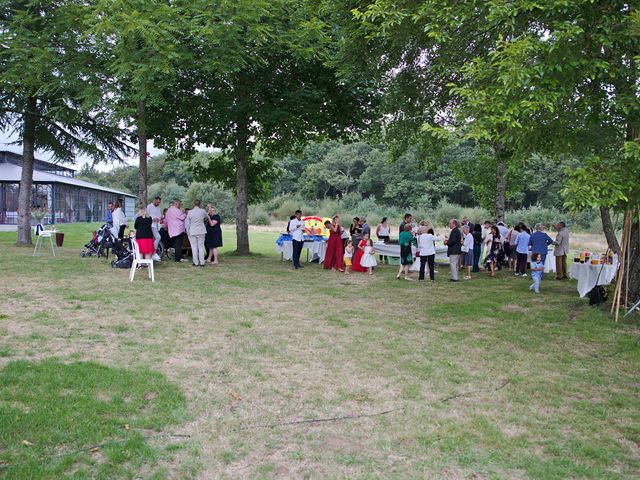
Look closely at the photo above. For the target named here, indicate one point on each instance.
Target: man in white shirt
(296, 229)
(153, 209)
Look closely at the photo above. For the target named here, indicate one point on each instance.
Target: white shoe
(524, 274)
(155, 257)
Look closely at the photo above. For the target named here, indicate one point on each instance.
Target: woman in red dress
(356, 267)
(334, 258)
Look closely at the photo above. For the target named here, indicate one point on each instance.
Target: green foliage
(167, 191)
(258, 215)
(214, 193)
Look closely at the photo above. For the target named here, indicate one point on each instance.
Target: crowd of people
(170, 226)
(469, 247)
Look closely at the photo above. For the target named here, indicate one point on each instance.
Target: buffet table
(588, 275)
(315, 245)
(393, 250)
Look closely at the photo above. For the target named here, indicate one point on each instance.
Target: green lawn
(481, 379)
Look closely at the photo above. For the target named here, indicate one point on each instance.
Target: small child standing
(368, 259)
(348, 254)
(537, 270)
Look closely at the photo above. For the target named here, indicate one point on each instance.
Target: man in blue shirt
(540, 241)
(108, 214)
(522, 249)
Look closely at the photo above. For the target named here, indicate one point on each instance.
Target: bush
(214, 193)
(258, 215)
(289, 205)
(445, 212)
(476, 215)
(532, 215)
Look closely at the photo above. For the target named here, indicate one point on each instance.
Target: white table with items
(393, 250)
(589, 275)
(315, 250)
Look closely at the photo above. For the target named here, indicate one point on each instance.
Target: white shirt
(503, 232)
(468, 242)
(119, 219)
(296, 229)
(426, 245)
(383, 231)
(155, 213)
(194, 224)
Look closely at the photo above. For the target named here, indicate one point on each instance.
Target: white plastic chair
(138, 260)
(40, 240)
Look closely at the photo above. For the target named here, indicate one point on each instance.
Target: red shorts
(145, 245)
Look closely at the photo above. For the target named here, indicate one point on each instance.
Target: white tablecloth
(587, 275)
(316, 250)
(393, 250)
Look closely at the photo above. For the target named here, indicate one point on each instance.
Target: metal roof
(12, 173)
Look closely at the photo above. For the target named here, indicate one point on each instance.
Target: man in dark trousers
(454, 248)
(296, 229)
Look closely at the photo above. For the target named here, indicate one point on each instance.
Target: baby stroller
(100, 242)
(123, 251)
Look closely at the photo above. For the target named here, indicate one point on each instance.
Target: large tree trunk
(25, 198)
(142, 153)
(242, 192)
(609, 229)
(634, 264)
(501, 181)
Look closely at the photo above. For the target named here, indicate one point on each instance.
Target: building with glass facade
(56, 192)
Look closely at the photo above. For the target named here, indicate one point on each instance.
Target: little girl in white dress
(368, 260)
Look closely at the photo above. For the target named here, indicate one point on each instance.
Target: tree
(51, 90)
(264, 78)
(141, 44)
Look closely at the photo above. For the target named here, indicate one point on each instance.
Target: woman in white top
(383, 233)
(119, 220)
(467, 250)
(427, 248)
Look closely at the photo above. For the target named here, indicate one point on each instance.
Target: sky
(6, 139)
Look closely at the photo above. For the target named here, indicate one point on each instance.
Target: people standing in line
(213, 239)
(512, 239)
(365, 229)
(334, 256)
(348, 256)
(406, 240)
(368, 259)
(355, 231)
(119, 220)
(408, 219)
(174, 223)
(108, 215)
(144, 233)
(195, 225)
(477, 246)
(522, 250)
(540, 241)
(537, 270)
(357, 257)
(467, 250)
(561, 250)
(427, 247)
(156, 215)
(383, 234)
(492, 260)
(486, 240)
(454, 248)
(296, 229)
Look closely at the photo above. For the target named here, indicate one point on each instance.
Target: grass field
(252, 370)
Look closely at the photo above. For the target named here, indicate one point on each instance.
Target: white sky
(6, 139)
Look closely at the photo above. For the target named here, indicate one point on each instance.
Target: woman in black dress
(213, 239)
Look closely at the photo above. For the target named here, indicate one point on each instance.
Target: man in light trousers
(196, 231)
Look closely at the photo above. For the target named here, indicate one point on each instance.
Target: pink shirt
(174, 220)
